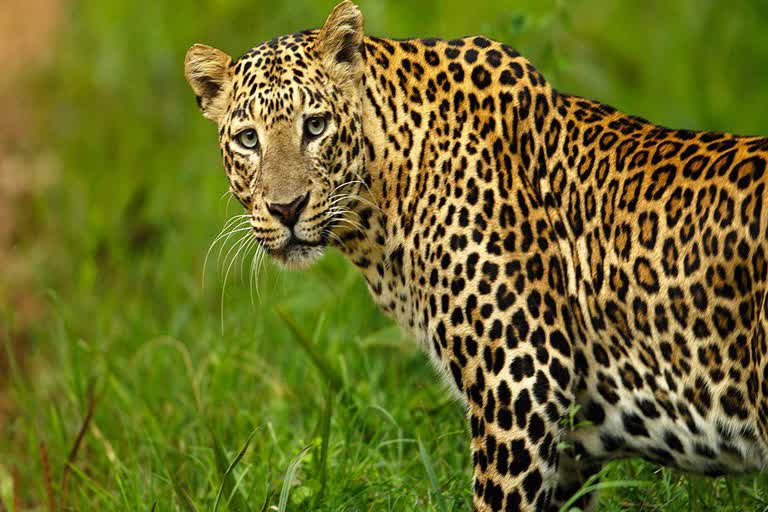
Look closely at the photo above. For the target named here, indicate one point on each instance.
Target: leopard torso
(550, 252)
(552, 256)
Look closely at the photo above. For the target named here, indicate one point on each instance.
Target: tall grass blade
(183, 495)
(613, 484)
(290, 473)
(432, 477)
(317, 358)
(223, 466)
(47, 480)
(326, 437)
(231, 468)
(76, 446)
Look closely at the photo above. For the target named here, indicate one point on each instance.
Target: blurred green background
(111, 193)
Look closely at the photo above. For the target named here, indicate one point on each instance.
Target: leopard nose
(288, 213)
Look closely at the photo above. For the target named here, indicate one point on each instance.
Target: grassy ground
(337, 410)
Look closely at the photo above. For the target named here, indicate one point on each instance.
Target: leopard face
(289, 117)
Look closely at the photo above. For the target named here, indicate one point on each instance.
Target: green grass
(304, 397)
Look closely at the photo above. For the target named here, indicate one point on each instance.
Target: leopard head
(289, 116)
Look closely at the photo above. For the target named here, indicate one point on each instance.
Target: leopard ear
(209, 73)
(340, 44)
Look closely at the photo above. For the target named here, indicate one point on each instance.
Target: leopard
(555, 258)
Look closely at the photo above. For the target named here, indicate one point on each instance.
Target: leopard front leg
(519, 392)
(506, 328)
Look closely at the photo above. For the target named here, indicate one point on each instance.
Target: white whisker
(244, 240)
(234, 246)
(256, 263)
(252, 277)
(346, 183)
(230, 228)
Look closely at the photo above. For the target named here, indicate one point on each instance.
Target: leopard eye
(314, 126)
(248, 138)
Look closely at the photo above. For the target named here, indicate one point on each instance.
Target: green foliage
(347, 414)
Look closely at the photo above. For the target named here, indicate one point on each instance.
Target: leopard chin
(297, 256)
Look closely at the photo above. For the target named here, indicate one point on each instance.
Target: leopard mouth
(295, 242)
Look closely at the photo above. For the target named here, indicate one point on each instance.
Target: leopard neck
(413, 131)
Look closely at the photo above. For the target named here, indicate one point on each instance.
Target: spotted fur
(549, 253)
